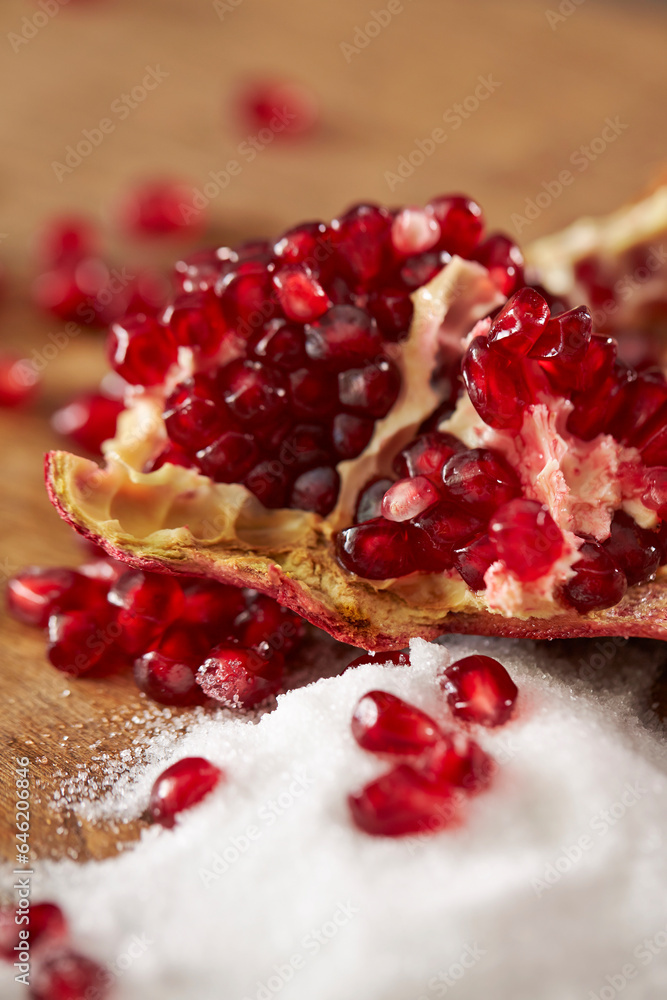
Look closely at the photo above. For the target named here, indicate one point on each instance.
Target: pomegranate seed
(392, 310)
(461, 223)
(196, 321)
(644, 396)
(442, 529)
(520, 323)
(496, 386)
(230, 458)
(400, 657)
(372, 390)
(456, 762)
(34, 594)
(46, 923)
(655, 496)
(160, 208)
(426, 455)
(652, 440)
(635, 550)
(19, 381)
(384, 723)
(305, 446)
(526, 537)
(378, 549)
(174, 455)
(265, 621)
(183, 785)
(594, 411)
(504, 262)
(284, 106)
(362, 237)
(67, 975)
(167, 679)
(77, 290)
(414, 230)
(193, 417)
(300, 294)
(402, 802)
(598, 581)
(78, 639)
(148, 293)
(310, 244)
(482, 478)
(369, 501)
(89, 420)
(208, 601)
(147, 603)
(422, 268)
(253, 392)
(473, 559)
(248, 298)
(597, 364)
(564, 344)
(350, 434)
(408, 498)
(201, 270)
(67, 239)
(312, 394)
(240, 677)
(480, 690)
(141, 351)
(280, 343)
(316, 490)
(343, 337)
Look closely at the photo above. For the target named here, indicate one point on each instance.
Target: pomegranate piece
(481, 478)
(160, 208)
(408, 498)
(285, 107)
(520, 323)
(526, 537)
(146, 603)
(426, 455)
(343, 337)
(141, 350)
(598, 581)
(636, 551)
(34, 594)
(369, 501)
(480, 690)
(300, 294)
(384, 723)
(240, 677)
(316, 490)
(473, 559)
(460, 221)
(19, 381)
(378, 549)
(67, 975)
(89, 420)
(443, 528)
(402, 802)
(183, 785)
(46, 924)
(458, 762)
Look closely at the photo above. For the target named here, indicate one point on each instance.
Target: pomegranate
(66, 975)
(182, 786)
(481, 502)
(46, 924)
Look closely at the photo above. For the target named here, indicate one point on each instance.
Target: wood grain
(553, 89)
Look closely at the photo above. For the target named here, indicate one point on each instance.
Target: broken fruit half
(347, 421)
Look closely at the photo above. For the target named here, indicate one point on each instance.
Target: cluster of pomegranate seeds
(104, 617)
(180, 787)
(455, 508)
(291, 344)
(423, 793)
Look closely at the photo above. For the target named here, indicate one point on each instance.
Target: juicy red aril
(316, 490)
(392, 310)
(265, 621)
(598, 581)
(362, 238)
(34, 594)
(595, 410)
(414, 230)
(593, 369)
(173, 455)
(635, 550)
(504, 262)
(480, 690)
(377, 549)
(88, 420)
(473, 559)
(645, 395)
(442, 529)
(371, 390)
(496, 385)
(147, 603)
(240, 677)
(369, 501)
(280, 343)
(408, 498)
(312, 394)
(526, 537)
(520, 323)
(422, 268)
(305, 446)
(402, 802)
(182, 786)
(456, 762)
(67, 239)
(206, 601)
(196, 321)
(141, 350)
(202, 270)
(252, 391)
(398, 656)
(461, 223)
(269, 482)
(19, 381)
(309, 243)
(426, 455)
(655, 495)
(77, 641)
(229, 458)
(168, 680)
(75, 291)
(480, 477)
(564, 343)
(160, 208)
(248, 297)
(343, 337)
(384, 723)
(300, 294)
(285, 107)
(67, 975)
(193, 417)
(46, 923)
(350, 434)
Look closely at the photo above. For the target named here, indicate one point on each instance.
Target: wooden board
(544, 90)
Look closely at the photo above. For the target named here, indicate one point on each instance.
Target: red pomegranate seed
(265, 621)
(89, 420)
(480, 690)
(67, 975)
(596, 366)
(408, 498)
(269, 481)
(183, 785)
(229, 458)
(310, 244)
(312, 394)
(316, 490)
(378, 549)
(635, 550)
(167, 679)
(443, 528)
(46, 923)
(240, 677)
(193, 416)
(208, 601)
(473, 559)
(160, 208)
(66, 239)
(148, 293)
(141, 351)
(248, 297)
(644, 396)
(305, 446)
(350, 434)
(504, 262)
(461, 223)
(402, 802)
(78, 640)
(280, 343)
(285, 107)
(362, 237)
(496, 385)
(482, 478)
(344, 336)
(392, 310)
(174, 455)
(526, 537)
(422, 268)
(655, 496)
(78, 290)
(253, 392)
(34, 594)
(598, 581)
(196, 321)
(201, 270)
(300, 294)
(426, 455)
(147, 603)
(19, 381)
(384, 723)
(414, 230)
(458, 762)
(520, 323)
(564, 344)
(372, 390)
(597, 410)
(400, 657)
(369, 501)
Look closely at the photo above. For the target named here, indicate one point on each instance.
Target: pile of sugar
(553, 888)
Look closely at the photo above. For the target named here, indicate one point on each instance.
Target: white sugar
(553, 889)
